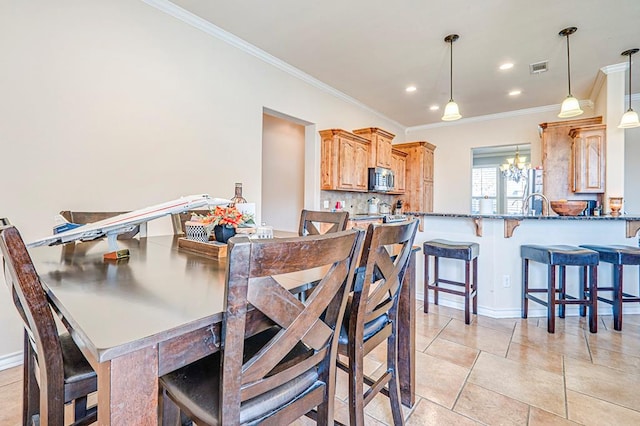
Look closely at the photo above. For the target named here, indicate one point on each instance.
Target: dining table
(138, 318)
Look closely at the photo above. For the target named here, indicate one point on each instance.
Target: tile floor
(492, 372)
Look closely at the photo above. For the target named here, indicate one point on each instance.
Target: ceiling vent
(539, 67)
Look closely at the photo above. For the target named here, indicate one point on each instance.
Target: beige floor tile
(536, 357)
(601, 382)
(11, 404)
(11, 375)
(538, 417)
(506, 325)
(380, 409)
(477, 337)
(456, 353)
(616, 360)
(624, 342)
(571, 324)
(438, 380)
(428, 413)
(428, 326)
(490, 408)
(527, 384)
(445, 311)
(591, 411)
(572, 345)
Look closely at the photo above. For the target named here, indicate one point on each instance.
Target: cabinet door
(428, 164)
(383, 152)
(427, 195)
(346, 161)
(399, 167)
(359, 167)
(588, 161)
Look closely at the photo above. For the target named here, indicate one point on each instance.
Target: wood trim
(573, 123)
(477, 221)
(409, 145)
(509, 226)
(633, 226)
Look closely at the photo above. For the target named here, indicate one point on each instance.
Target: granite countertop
(521, 217)
(365, 216)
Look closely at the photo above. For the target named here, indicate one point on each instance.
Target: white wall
(282, 173)
(452, 161)
(113, 105)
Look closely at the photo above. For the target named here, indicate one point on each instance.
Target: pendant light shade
(451, 110)
(630, 118)
(570, 106)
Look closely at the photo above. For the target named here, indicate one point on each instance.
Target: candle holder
(615, 204)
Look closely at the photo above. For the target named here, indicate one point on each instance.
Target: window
(484, 181)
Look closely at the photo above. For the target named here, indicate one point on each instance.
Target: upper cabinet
(419, 177)
(399, 168)
(344, 158)
(588, 158)
(380, 149)
(557, 156)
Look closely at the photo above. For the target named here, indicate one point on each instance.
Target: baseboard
(534, 311)
(10, 360)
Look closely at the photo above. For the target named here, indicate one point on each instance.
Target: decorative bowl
(568, 207)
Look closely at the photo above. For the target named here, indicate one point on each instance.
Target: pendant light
(630, 118)
(570, 106)
(451, 111)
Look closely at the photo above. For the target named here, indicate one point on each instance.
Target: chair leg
(30, 390)
(356, 384)
(475, 285)
(584, 292)
(551, 296)
(617, 297)
(394, 384)
(593, 298)
(169, 411)
(436, 277)
(562, 284)
(80, 408)
(467, 292)
(525, 288)
(426, 284)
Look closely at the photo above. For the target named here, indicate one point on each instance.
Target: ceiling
(372, 50)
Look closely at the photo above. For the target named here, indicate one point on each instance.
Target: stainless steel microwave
(380, 179)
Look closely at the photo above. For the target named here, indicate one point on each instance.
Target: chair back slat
(385, 257)
(313, 222)
(33, 305)
(252, 280)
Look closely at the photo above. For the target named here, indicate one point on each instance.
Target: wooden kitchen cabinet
(343, 164)
(557, 156)
(380, 148)
(363, 224)
(399, 168)
(588, 158)
(419, 175)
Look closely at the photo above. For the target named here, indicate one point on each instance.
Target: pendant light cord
(451, 70)
(630, 55)
(568, 66)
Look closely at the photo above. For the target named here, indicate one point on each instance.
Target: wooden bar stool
(452, 250)
(561, 256)
(617, 256)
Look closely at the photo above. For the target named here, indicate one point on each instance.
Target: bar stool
(618, 256)
(452, 250)
(561, 256)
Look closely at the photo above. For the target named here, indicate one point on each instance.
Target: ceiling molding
(601, 77)
(586, 103)
(610, 69)
(189, 18)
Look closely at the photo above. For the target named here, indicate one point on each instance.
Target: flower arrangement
(230, 217)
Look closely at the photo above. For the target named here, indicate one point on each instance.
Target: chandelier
(515, 168)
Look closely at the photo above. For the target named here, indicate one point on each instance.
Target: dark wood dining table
(139, 318)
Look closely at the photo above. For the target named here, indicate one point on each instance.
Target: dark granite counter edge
(521, 217)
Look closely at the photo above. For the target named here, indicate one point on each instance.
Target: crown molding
(197, 22)
(586, 103)
(610, 69)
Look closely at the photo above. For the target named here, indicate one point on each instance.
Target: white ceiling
(372, 49)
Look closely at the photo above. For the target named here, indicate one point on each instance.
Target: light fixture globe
(570, 108)
(451, 112)
(630, 118)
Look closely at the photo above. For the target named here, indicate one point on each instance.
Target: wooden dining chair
(54, 372)
(179, 219)
(83, 218)
(371, 316)
(287, 370)
(320, 222)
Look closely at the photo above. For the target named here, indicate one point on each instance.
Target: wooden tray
(212, 249)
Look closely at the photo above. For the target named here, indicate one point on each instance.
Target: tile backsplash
(355, 202)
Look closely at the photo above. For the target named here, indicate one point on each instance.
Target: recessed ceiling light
(515, 92)
(434, 107)
(506, 66)
(411, 89)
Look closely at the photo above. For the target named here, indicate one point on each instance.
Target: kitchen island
(499, 263)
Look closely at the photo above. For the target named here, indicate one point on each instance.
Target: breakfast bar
(499, 263)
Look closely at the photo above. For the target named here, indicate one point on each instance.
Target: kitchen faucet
(525, 204)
